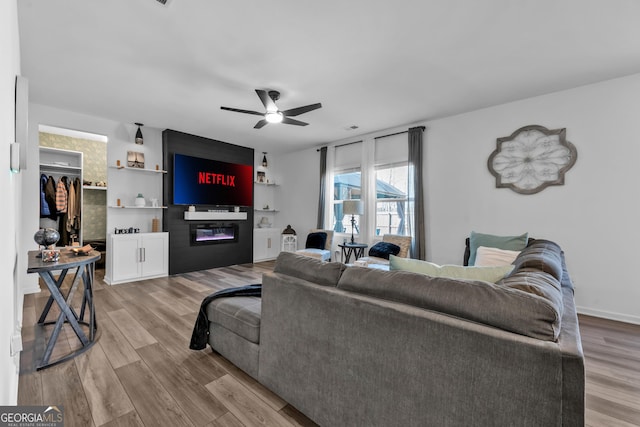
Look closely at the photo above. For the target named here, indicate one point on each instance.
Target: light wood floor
(142, 373)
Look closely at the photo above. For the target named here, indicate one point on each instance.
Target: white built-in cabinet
(266, 233)
(266, 244)
(137, 256)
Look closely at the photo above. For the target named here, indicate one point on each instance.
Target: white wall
(593, 216)
(10, 295)
(299, 191)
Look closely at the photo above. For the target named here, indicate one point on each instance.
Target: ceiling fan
(272, 114)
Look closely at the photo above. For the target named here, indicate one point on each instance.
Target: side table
(348, 249)
(84, 267)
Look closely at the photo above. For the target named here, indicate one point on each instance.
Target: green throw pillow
(511, 243)
(486, 274)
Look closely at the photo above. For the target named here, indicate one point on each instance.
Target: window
(347, 185)
(376, 172)
(391, 199)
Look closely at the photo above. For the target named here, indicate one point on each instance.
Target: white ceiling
(376, 64)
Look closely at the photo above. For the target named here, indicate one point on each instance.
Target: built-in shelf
(59, 168)
(266, 210)
(139, 169)
(138, 207)
(93, 187)
(199, 216)
(265, 183)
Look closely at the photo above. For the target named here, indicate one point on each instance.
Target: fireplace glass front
(214, 233)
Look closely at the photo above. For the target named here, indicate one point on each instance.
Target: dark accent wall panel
(183, 257)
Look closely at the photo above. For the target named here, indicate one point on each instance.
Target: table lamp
(352, 207)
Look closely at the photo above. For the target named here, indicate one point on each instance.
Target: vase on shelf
(139, 202)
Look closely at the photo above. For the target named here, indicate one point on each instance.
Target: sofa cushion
(383, 250)
(240, 315)
(316, 240)
(321, 254)
(487, 257)
(491, 304)
(487, 274)
(543, 255)
(512, 243)
(310, 269)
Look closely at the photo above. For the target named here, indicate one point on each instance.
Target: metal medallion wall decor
(531, 159)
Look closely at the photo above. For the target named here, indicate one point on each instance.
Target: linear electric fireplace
(213, 233)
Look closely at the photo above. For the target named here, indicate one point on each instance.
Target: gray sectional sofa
(352, 346)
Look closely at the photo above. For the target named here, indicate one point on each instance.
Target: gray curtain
(323, 191)
(416, 194)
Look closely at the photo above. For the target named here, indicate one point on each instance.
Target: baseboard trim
(33, 290)
(609, 315)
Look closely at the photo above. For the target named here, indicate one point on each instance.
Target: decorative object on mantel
(531, 159)
(140, 202)
(139, 140)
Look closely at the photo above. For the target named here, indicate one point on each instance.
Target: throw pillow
(486, 274)
(316, 240)
(489, 257)
(512, 243)
(384, 249)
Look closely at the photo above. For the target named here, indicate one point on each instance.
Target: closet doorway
(73, 185)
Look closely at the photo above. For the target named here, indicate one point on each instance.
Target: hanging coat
(62, 195)
(77, 184)
(44, 206)
(71, 207)
(50, 197)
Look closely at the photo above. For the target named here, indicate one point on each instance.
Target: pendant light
(139, 139)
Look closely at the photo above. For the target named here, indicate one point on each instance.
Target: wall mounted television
(199, 181)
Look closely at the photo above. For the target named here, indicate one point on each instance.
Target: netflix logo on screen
(216, 179)
(199, 181)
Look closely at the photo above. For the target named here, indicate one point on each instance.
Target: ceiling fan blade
(260, 124)
(301, 110)
(289, 121)
(237, 110)
(266, 100)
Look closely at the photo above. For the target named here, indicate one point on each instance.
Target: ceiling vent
(164, 2)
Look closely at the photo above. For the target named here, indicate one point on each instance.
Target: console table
(84, 267)
(348, 249)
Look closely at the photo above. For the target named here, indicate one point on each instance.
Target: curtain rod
(343, 145)
(377, 137)
(398, 133)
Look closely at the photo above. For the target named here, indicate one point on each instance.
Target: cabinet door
(154, 255)
(125, 258)
(260, 243)
(273, 243)
(266, 244)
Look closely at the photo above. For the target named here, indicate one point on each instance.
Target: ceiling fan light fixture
(273, 117)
